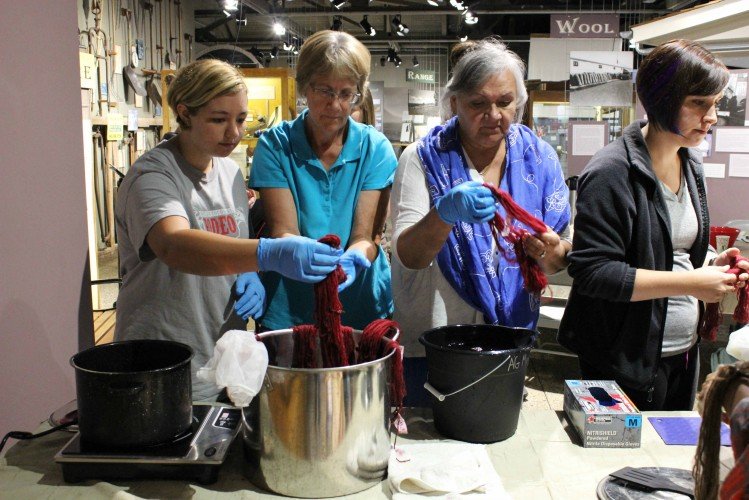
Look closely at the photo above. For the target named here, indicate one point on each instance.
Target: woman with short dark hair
(640, 259)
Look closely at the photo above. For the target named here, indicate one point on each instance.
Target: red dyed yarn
(534, 277)
(713, 316)
(377, 341)
(305, 347)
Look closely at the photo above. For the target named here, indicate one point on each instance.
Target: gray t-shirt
(680, 331)
(155, 301)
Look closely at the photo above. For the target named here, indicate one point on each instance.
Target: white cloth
(738, 344)
(443, 470)
(238, 364)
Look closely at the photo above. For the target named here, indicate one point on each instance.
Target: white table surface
(541, 461)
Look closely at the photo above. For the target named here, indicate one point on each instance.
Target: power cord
(23, 435)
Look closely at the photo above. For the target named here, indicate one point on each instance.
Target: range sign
(584, 26)
(420, 75)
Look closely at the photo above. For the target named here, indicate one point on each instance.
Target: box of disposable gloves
(602, 414)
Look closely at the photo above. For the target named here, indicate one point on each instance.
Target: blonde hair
(197, 83)
(711, 398)
(366, 106)
(334, 53)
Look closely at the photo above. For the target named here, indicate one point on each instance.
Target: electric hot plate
(196, 455)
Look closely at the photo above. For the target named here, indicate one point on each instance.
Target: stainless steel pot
(318, 433)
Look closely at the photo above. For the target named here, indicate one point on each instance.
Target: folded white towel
(443, 470)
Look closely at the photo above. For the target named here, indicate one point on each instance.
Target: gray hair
(489, 57)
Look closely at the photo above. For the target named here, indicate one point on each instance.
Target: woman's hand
(711, 283)
(466, 202)
(724, 259)
(548, 249)
(250, 295)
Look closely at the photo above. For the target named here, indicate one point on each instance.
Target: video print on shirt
(225, 221)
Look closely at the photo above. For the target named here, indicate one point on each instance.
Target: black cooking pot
(134, 393)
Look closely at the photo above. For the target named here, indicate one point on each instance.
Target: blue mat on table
(685, 430)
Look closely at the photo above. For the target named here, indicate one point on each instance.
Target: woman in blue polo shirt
(323, 173)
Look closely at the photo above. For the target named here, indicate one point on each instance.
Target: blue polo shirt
(325, 204)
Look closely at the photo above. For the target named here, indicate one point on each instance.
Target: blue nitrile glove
(467, 202)
(352, 261)
(250, 295)
(296, 257)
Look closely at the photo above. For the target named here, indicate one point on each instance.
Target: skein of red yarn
(713, 316)
(376, 342)
(534, 277)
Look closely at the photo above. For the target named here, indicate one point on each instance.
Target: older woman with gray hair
(325, 173)
(446, 268)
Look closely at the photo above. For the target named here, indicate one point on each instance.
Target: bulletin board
(584, 139)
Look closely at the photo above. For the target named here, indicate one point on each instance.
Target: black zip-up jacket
(623, 224)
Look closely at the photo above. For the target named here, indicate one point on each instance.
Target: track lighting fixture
(401, 29)
(393, 57)
(458, 4)
(278, 28)
(368, 29)
(338, 3)
(470, 17)
(415, 62)
(337, 24)
(274, 52)
(287, 45)
(383, 60)
(257, 53)
(435, 3)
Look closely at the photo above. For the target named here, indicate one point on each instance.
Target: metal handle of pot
(441, 397)
(127, 387)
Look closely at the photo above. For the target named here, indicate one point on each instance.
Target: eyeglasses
(344, 97)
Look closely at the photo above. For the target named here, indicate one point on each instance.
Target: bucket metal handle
(441, 397)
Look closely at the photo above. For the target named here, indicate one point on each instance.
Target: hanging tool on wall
(140, 28)
(112, 94)
(169, 59)
(178, 3)
(188, 39)
(97, 40)
(131, 76)
(99, 162)
(153, 82)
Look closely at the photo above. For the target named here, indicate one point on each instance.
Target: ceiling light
(274, 52)
(401, 29)
(368, 29)
(458, 4)
(415, 62)
(279, 29)
(462, 36)
(470, 18)
(435, 3)
(287, 46)
(230, 5)
(337, 24)
(338, 3)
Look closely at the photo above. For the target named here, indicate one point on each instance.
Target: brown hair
(333, 53)
(366, 106)
(711, 398)
(197, 83)
(459, 50)
(673, 71)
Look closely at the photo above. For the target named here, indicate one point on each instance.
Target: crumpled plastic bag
(738, 344)
(238, 364)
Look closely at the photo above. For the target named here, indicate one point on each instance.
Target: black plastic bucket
(476, 375)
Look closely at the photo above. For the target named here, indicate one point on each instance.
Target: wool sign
(584, 26)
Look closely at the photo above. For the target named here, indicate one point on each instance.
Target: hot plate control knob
(210, 451)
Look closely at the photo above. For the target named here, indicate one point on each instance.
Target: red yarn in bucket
(534, 277)
(713, 317)
(337, 342)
